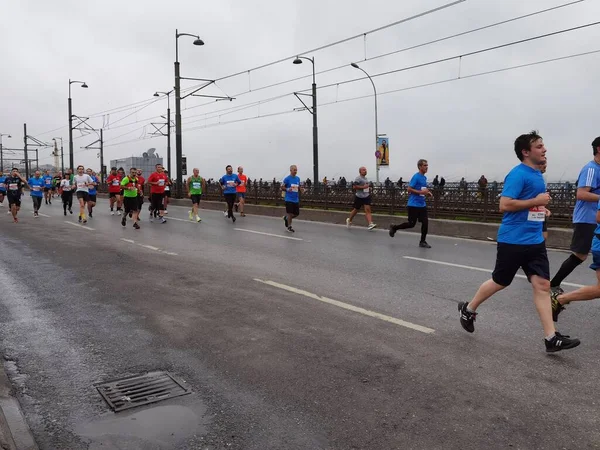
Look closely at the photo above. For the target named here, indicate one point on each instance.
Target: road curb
(14, 431)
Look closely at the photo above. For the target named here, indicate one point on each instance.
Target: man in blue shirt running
(417, 208)
(291, 186)
(229, 182)
(521, 243)
(36, 184)
(48, 183)
(2, 188)
(584, 218)
(93, 192)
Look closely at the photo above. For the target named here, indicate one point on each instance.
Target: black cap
(113, 168)
(596, 142)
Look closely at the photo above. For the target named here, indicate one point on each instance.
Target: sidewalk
(14, 431)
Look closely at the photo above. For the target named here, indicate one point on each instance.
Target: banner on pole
(383, 151)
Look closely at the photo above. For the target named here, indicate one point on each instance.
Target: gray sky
(125, 50)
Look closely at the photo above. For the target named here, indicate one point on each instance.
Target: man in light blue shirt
(291, 186)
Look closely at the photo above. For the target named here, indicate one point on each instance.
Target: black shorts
(130, 204)
(84, 195)
(359, 202)
(122, 192)
(53, 188)
(416, 213)
(157, 201)
(14, 199)
(533, 259)
(583, 234)
(168, 193)
(113, 194)
(196, 199)
(292, 208)
(47, 189)
(140, 199)
(92, 198)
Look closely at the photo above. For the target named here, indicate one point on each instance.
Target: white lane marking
(81, 226)
(349, 307)
(149, 247)
(269, 234)
(43, 215)
(478, 269)
(181, 220)
(128, 240)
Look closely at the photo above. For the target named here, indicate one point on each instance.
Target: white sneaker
(112, 213)
(8, 212)
(198, 219)
(225, 213)
(371, 226)
(190, 215)
(119, 212)
(348, 222)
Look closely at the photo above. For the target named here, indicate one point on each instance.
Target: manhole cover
(138, 390)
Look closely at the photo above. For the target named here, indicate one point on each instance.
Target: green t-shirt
(196, 185)
(130, 187)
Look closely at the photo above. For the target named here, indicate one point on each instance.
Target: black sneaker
(467, 318)
(79, 219)
(424, 244)
(65, 212)
(557, 289)
(130, 214)
(233, 218)
(560, 342)
(124, 221)
(70, 211)
(290, 230)
(136, 226)
(392, 231)
(285, 221)
(556, 306)
(90, 214)
(236, 207)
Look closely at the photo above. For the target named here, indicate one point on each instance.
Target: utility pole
(101, 156)
(25, 151)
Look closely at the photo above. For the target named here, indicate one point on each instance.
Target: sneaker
(112, 213)
(190, 215)
(65, 212)
(90, 214)
(124, 221)
(285, 221)
(290, 230)
(233, 218)
(371, 226)
(50, 202)
(84, 221)
(35, 214)
(79, 219)
(151, 217)
(392, 231)
(560, 342)
(130, 214)
(15, 220)
(9, 212)
(243, 214)
(557, 289)
(166, 212)
(119, 212)
(136, 226)
(467, 318)
(198, 219)
(556, 306)
(424, 244)
(163, 220)
(225, 214)
(348, 222)
(236, 206)
(70, 211)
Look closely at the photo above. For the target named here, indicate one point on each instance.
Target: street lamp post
(178, 141)
(83, 85)
(1, 153)
(356, 66)
(168, 94)
(62, 154)
(298, 60)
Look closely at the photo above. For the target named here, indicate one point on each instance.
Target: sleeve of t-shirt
(222, 180)
(414, 181)
(237, 180)
(513, 185)
(286, 182)
(587, 177)
(125, 181)
(152, 178)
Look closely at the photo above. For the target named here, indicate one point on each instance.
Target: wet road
(325, 339)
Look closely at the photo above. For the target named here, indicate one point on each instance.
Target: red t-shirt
(141, 182)
(242, 187)
(162, 182)
(114, 183)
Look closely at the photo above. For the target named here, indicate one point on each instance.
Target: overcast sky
(124, 50)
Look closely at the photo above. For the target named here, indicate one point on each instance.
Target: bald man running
(362, 197)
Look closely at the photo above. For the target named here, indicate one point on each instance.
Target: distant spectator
(308, 183)
(482, 183)
(325, 181)
(463, 184)
(400, 182)
(387, 183)
(435, 182)
(442, 182)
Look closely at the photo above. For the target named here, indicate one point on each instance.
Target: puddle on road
(151, 427)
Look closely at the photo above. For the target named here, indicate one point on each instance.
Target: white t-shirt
(65, 185)
(82, 181)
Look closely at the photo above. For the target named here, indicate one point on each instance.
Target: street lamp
(168, 94)
(1, 154)
(178, 141)
(298, 60)
(62, 154)
(356, 66)
(83, 85)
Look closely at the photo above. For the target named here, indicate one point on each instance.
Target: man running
(291, 186)
(37, 188)
(82, 182)
(167, 196)
(584, 217)
(14, 185)
(520, 241)
(114, 191)
(141, 182)
(48, 185)
(56, 184)
(416, 206)
(241, 191)
(157, 181)
(362, 197)
(131, 189)
(2, 188)
(195, 186)
(92, 192)
(66, 188)
(228, 183)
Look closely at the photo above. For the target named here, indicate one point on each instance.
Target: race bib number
(13, 186)
(66, 188)
(423, 188)
(161, 182)
(81, 185)
(294, 187)
(366, 190)
(47, 182)
(537, 214)
(195, 185)
(36, 188)
(230, 183)
(115, 182)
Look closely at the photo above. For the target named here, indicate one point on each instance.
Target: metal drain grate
(138, 390)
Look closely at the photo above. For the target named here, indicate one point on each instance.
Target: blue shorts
(595, 265)
(241, 194)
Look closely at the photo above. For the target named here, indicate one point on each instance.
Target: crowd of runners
(521, 241)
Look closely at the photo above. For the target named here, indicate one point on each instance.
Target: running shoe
(556, 306)
(198, 219)
(290, 230)
(15, 220)
(9, 212)
(557, 289)
(79, 219)
(424, 244)
(65, 212)
(70, 211)
(243, 214)
(191, 215)
(372, 226)
(35, 214)
(236, 206)
(90, 214)
(392, 231)
(467, 318)
(285, 221)
(233, 218)
(225, 214)
(136, 226)
(84, 221)
(163, 220)
(348, 222)
(560, 342)
(124, 221)
(130, 214)
(118, 212)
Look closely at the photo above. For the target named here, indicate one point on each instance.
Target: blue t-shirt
(37, 186)
(417, 182)
(585, 212)
(523, 227)
(47, 181)
(92, 189)
(2, 184)
(292, 183)
(230, 182)
(596, 241)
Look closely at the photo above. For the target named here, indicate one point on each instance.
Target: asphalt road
(325, 339)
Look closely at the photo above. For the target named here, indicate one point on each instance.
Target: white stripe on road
(149, 247)
(81, 226)
(349, 307)
(128, 240)
(269, 234)
(180, 220)
(478, 269)
(43, 215)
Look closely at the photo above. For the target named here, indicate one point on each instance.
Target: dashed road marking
(81, 226)
(149, 247)
(269, 234)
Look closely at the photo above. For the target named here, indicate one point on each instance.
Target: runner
(157, 181)
(66, 188)
(195, 186)
(37, 188)
(228, 183)
(167, 191)
(584, 217)
(14, 185)
(114, 190)
(520, 241)
(121, 175)
(131, 188)
(417, 208)
(82, 181)
(291, 186)
(56, 184)
(141, 182)
(92, 192)
(48, 184)
(362, 197)
(241, 192)
(2, 188)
